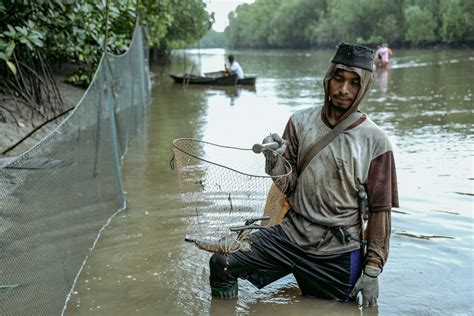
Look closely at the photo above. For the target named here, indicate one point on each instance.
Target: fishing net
(56, 198)
(225, 192)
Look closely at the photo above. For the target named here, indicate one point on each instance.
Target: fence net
(223, 189)
(56, 198)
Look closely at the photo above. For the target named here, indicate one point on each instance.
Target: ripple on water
(420, 236)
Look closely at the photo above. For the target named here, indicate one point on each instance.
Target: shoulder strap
(326, 139)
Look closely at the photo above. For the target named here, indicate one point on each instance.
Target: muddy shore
(11, 132)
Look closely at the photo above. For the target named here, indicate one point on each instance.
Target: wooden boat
(246, 81)
(218, 78)
(194, 79)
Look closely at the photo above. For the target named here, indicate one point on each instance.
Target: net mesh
(56, 198)
(222, 188)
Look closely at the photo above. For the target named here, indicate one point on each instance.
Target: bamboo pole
(106, 39)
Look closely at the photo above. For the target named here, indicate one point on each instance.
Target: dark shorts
(273, 255)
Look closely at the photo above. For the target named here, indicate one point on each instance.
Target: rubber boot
(226, 293)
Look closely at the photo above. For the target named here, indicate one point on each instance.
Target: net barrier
(226, 193)
(56, 198)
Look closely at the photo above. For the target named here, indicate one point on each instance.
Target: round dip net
(226, 193)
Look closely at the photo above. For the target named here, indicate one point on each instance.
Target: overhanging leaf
(11, 66)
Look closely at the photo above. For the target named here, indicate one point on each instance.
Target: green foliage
(74, 31)
(173, 23)
(79, 78)
(324, 23)
(291, 25)
(191, 21)
(457, 21)
(251, 25)
(18, 30)
(71, 31)
(420, 26)
(83, 25)
(211, 39)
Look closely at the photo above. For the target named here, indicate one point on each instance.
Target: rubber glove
(275, 138)
(369, 286)
(273, 145)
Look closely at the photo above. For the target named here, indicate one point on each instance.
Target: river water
(141, 264)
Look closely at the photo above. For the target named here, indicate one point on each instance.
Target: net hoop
(177, 147)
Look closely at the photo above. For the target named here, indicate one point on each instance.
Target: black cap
(353, 55)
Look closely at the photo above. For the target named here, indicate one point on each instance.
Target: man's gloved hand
(369, 285)
(275, 138)
(271, 145)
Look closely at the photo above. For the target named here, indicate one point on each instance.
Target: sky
(221, 9)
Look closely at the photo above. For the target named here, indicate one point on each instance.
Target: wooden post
(107, 3)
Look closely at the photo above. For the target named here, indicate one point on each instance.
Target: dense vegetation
(324, 23)
(34, 34)
(212, 39)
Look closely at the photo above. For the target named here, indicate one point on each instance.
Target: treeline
(36, 33)
(212, 39)
(324, 23)
(74, 31)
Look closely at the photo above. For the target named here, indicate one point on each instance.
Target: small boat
(246, 81)
(194, 79)
(219, 78)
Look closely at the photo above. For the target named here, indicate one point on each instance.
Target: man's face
(343, 89)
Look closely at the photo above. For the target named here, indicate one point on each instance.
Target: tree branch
(35, 130)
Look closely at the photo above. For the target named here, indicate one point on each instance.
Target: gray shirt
(325, 194)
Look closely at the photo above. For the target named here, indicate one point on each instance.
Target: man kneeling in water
(319, 238)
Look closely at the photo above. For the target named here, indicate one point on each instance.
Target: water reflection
(232, 93)
(381, 76)
(299, 306)
(426, 108)
(424, 102)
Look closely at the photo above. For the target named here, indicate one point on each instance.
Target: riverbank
(12, 132)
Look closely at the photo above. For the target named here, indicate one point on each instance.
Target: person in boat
(234, 67)
(319, 239)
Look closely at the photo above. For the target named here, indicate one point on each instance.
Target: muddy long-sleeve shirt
(325, 194)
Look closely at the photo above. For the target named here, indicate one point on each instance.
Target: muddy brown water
(141, 265)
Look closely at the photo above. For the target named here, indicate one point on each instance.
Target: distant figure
(234, 67)
(377, 56)
(382, 56)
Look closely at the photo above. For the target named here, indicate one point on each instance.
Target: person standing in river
(319, 239)
(383, 55)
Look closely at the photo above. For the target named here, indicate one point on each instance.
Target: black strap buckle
(341, 233)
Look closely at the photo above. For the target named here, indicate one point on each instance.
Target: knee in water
(217, 261)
